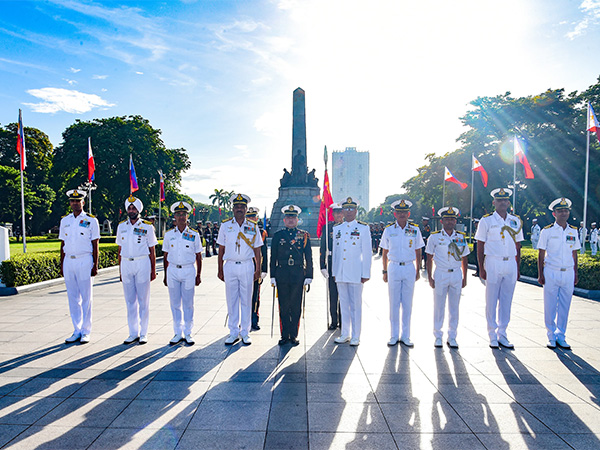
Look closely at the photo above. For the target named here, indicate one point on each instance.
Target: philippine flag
(523, 159)
(162, 186)
(21, 143)
(477, 167)
(91, 165)
(592, 121)
(133, 184)
(449, 177)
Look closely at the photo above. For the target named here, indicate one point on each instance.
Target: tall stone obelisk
(298, 187)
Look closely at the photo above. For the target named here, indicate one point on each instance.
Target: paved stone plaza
(105, 395)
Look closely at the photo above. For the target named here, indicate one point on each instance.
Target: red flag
(432, 212)
(523, 159)
(91, 165)
(381, 211)
(162, 186)
(477, 167)
(592, 122)
(326, 201)
(449, 177)
(21, 143)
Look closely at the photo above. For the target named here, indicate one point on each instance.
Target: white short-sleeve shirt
(239, 241)
(498, 240)
(182, 247)
(438, 246)
(78, 233)
(401, 243)
(136, 239)
(559, 245)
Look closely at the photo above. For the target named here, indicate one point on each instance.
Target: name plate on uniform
(140, 232)
(84, 223)
(189, 237)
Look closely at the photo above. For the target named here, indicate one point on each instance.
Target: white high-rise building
(350, 177)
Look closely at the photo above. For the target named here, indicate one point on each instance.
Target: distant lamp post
(88, 187)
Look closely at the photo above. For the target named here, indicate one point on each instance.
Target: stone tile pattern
(105, 395)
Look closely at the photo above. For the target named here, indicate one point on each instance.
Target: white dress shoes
(189, 339)
(143, 339)
(407, 342)
(504, 342)
(247, 340)
(342, 339)
(354, 342)
(438, 343)
(84, 339)
(176, 339)
(562, 343)
(393, 341)
(131, 340)
(551, 344)
(452, 343)
(231, 339)
(73, 338)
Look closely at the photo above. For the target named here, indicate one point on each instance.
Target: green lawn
(49, 245)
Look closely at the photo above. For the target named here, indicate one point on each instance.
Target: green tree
(221, 199)
(113, 140)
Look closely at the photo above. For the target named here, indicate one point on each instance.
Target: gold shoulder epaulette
(64, 215)
(572, 226)
(225, 220)
(550, 226)
(436, 232)
(389, 224)
(488, 215)
(122, 221)
(252, 221)
(362, 223)
(147, 222)
(92, 216)
(462, 232)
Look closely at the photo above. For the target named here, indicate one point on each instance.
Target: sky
(391, 77)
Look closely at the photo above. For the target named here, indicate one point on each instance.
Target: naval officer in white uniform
(401, 257)
(449, 250)
(557, 271)
(80, 234)
(137, 260)
(182, 247)
(239, 242)
(499, 236)
(351, 262)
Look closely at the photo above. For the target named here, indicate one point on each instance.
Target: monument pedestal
(307, 198)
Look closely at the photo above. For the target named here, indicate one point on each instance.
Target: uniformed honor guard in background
(425, 232)
(351, 269)
(137, 261)
(207, 233)
(499, 237)
(252, 215)
(79, 233)
(182, 248)
(239, 248)
(291, 270)
(448, 248)
(401, 243)
(557, 271)
(327, 266)
(535, 234)
(583, 232)
(594, 239)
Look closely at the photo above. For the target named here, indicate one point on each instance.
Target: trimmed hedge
(589, 268)
(31, 268)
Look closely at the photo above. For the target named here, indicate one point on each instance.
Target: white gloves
(325, 273)
(307, 281)
(263, 275)
(273, 282)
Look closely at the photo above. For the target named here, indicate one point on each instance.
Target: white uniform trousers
(447, 285)
(239, 282)
(558, 292)
(78, 280)
(136, 287)
(499, 290)
(594, 246)
(350, 295)
(534, 242)
(182, 283)
(582, 250)
(401, 286)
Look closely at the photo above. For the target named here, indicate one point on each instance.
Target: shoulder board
(575, 228)
(362, 223)
(489, 215)
(90, 215)
(147, 222)
(64, 215)
(413, 224)
(389, 225)
(122, 221)
(460, 232)
(225, 220)
(550, 226)
(436, 232)
(252, 221)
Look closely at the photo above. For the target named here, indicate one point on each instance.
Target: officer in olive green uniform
(291, 270)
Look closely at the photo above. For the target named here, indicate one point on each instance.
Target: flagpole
(514, 178)
(327, 247)
(23, 213)
(585, 193)
(444, 193)
(472, 187)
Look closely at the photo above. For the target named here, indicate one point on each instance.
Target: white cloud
(99, 77)
(139, 73)
(73, 70)
(70, 82)
(56, 99)
(591, 12)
